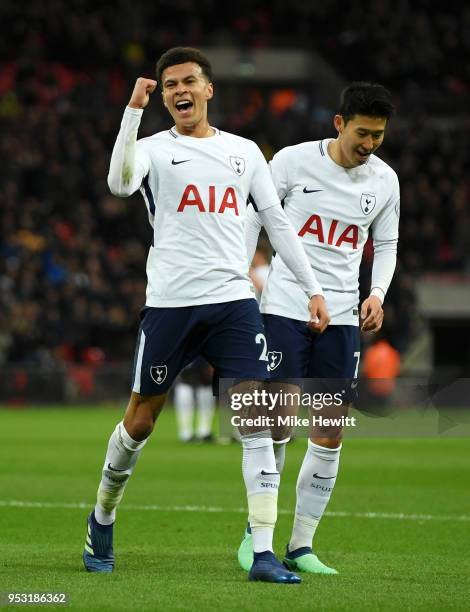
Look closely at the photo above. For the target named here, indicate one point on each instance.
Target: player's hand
(372, 314)
(141, 94)
(319, 316)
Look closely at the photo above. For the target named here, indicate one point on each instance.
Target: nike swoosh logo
(311, 190)
(175, 163)
(263, 473)
(323, 477)
(113, 469)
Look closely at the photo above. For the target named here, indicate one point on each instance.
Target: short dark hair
(181, 55)
(363, 98)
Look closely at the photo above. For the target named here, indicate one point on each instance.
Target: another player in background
(334, 192)
(194, 394)
(196, 181)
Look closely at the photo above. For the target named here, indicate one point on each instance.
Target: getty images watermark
(263, 408)
(437, 405)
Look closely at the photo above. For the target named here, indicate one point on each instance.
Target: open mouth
(183, 106)
(363, 154)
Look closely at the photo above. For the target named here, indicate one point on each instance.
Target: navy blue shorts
(297, 352)
(229, 335)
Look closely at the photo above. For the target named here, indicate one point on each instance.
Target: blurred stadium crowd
(72, 269)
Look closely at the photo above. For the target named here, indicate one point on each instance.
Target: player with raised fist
(196, 182)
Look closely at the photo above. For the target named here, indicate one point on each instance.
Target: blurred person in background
(194, 402)
(381, 366)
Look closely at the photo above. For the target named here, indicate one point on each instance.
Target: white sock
(262, 484)
(184, 406)
(280, 454)
(205, 410)
(315, 484)
(121, 457)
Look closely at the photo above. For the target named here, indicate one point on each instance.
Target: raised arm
(128, 167)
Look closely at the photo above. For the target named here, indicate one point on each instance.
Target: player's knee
(333, 441)
(141, 415)
(140, 427)
(281, 434)
(141, 424)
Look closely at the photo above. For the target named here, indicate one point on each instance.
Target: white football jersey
(196, 192)
(331, 209)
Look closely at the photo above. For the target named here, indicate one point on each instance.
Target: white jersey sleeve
(129, 161)
(385, 236)
(253, 227)
(385, 224)
(385, 260)
(280, 174)
(262, 191)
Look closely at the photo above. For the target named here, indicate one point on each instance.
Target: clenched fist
(141, 94)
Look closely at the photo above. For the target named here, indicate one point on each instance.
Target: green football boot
(245, 550)
(304, 560)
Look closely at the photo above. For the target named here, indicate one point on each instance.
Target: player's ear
(338, 122)
(209, 91)
(163, 98)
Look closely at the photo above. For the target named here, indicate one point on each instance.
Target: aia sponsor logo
(331, 232)
(211, 202)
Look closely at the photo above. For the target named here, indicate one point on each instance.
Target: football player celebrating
(334, 192)
(196, 181)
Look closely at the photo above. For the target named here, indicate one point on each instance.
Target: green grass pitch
(182, 518)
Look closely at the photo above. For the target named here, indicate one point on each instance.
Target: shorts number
(261, 339)
(357, 357)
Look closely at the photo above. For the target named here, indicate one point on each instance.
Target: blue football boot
(266, 568)
(98, 553)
